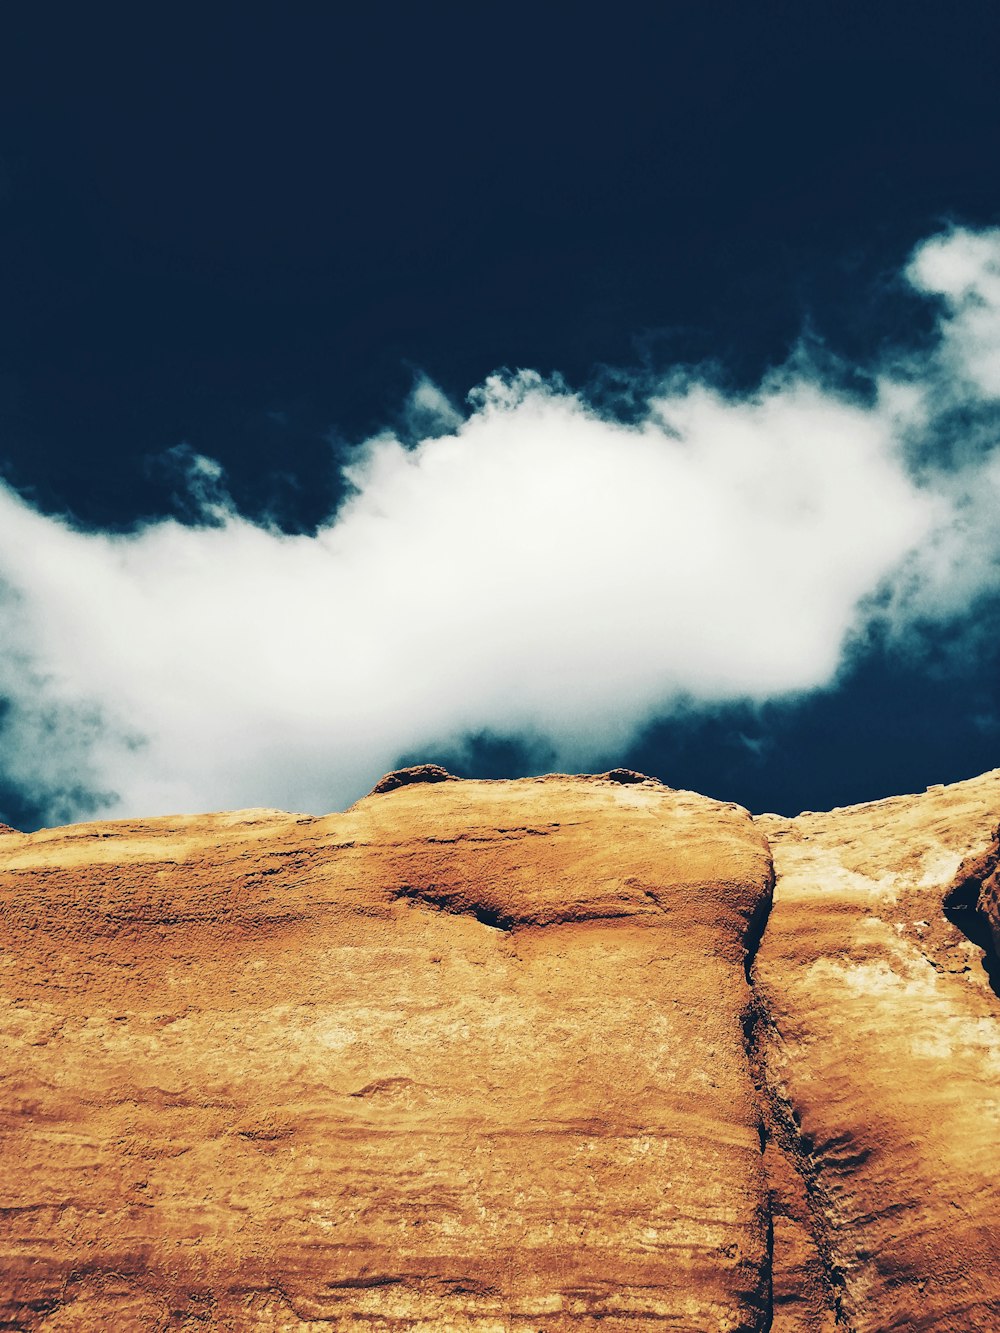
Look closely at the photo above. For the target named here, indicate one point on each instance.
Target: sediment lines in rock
(501, 1056)
(880, 1035)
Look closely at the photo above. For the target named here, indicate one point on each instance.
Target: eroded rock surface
(503, 1056)
(469, 1056)
(881, 1049)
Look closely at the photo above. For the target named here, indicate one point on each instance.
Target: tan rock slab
(468, 1056)
(882, 1051)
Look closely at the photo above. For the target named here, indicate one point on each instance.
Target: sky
(505, 388)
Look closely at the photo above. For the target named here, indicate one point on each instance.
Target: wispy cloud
(528, 567)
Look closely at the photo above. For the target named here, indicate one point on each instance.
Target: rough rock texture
(973, 902)
(503, 1056)
(879, 1035)
(469, 1056)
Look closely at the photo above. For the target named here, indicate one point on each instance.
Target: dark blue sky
(247, 228)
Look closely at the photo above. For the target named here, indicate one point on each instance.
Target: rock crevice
(973, 905)
(806, 1284)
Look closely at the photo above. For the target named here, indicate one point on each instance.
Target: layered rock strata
(503, 1056)
(879, 1028)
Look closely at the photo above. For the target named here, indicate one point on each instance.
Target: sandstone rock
(404, 777)
(469, 1056)
(503, 1056)
(880, 1042)
(973, 901)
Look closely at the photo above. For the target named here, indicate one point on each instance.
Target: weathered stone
(469, 1056)
(523, 1056)
(881, 1044)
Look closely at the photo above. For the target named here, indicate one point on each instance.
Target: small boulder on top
(403, 777)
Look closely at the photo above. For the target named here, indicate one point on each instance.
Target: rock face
(880, 1041)
(503, 1056)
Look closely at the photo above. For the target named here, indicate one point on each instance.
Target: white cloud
(962, 268)
(944, 404)
(533, 568)
(428, 411)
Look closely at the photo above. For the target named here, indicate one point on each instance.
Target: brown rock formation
(973, 902)
(880, 1038)
(492, 1056)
